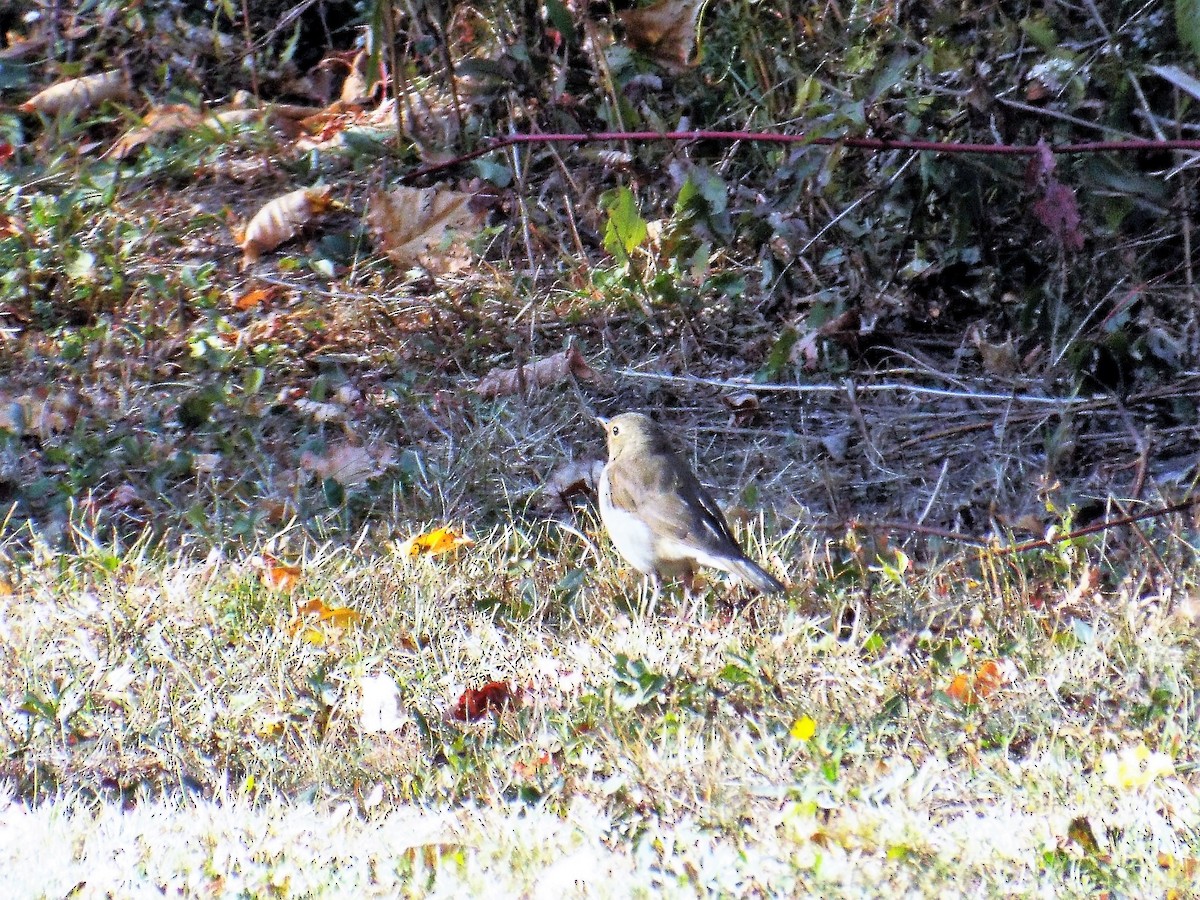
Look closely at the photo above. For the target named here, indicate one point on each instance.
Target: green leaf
(497, 173)
(1187, 24)
(560, 19)
(626, 228)
(335, 494)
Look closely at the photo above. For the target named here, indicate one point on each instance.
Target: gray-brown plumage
(658, 514)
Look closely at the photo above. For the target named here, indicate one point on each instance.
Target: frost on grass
(168, 728)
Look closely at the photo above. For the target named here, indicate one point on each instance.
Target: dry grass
(166, 730)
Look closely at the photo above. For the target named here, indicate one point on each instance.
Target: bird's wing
(664, 493)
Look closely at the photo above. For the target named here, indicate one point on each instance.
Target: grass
(175, 432)
(168, 727)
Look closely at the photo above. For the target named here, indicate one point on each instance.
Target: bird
(658, 515)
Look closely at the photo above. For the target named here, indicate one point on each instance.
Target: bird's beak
(602, 422)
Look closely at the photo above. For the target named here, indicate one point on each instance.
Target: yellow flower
(803, 728)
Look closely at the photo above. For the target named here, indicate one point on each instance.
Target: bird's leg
(692, 593)
(650, 598)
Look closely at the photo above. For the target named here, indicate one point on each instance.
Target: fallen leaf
(528, 770)
(277, 576)
(313, 617)
(356, 89)
(281, 220)
(349, 465)
(78, 94)
(664, 31)
(434, 543)
(425, 226)
(495, 696)
(538, 374)
(257, 296)
(744, 406)
(573, 479)
(159, 126)
(968, 690)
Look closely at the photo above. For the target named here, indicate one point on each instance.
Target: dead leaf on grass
(425, 226)
(78, 94)
(257, 296)
(664, 31)
(159, 126)
(971, 689)
(434, 543)
(281, 220)
(538, 374)
(744, 407)
(349, 465)
(573, 479)
(495, 696)
(276, 575)
(318, 624)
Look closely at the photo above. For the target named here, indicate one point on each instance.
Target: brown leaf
(539, 374)
(495, 696)
(159, 126)
(281, 220)
(425, 226)
(349, 465)
(78, 94)
(744, 406)
(573, 479)
(356, 88)
(664, 31)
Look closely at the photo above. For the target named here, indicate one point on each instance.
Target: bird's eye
(616, 430)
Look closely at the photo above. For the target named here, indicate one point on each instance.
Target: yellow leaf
(440, 540)
(314, 636)
(341, 616)
(804, 728)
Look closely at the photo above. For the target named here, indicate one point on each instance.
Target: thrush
(660, 518)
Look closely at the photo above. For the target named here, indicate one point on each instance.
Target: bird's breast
(632, 537)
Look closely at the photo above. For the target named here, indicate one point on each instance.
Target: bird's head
(630, 431)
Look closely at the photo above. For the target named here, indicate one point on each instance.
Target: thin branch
(744, 384)
(863, 143)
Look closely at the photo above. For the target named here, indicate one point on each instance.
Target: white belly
(630, 535)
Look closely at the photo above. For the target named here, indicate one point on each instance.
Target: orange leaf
(279, 576)
(253, 298)
(334, 616)
(440, 540)
(960, 688)
(494, 696)
(988, 678)
(971, 689)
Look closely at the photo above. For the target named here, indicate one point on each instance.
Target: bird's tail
(756, 575)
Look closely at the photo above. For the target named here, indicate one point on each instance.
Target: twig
(746, 384)
(1038, 544)
(862, 143)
